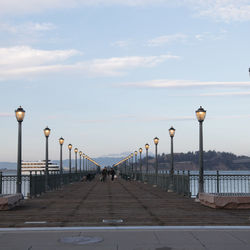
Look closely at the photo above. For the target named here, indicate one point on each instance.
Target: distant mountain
(8, 165)
(103, 161)
(183, 161)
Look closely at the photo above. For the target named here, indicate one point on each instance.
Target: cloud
(166, 118)
(121, 43)
(227, 94)
(161, 40)
(166, 83)
(26, 28)
(220, 10)
(24, 56)
(31, 6)
(22, 61)
(6, 115)
(211, 36)
(115, 66)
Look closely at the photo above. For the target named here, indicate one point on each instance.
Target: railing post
(36, 183)
(189, 191)
(31, 186)
(183, 182)
(1, 174)
(218, 181)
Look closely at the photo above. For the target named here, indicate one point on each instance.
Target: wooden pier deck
(135, 203)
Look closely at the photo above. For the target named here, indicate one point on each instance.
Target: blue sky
(110, 75)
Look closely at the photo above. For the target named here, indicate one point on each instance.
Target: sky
(110, 75)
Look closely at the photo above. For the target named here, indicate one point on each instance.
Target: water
(9, 183)
(227, 182)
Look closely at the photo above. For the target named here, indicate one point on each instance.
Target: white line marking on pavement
(35, 222)
(124, 228)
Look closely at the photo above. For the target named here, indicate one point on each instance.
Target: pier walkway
(118, 203)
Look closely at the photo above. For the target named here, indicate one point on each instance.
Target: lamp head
(46, 131)
(171, 132)
(20, 113)
(147, 146)
(200, 114)
(136, 153)
(61, 141)
(70, 146)
(76, 150)
(156, 140)
(140, 150)
(80, 153)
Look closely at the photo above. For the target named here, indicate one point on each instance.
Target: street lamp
(147, 147)
(87, 165)
(156, 141)
(61, 141)
(83, 157)
(70, 148)
(171, 186)
(20, 113)
(80, 153)
(135, 153)
(76, 150)
(46, 133)
(132, 164)
(140, 151)
(201, 114)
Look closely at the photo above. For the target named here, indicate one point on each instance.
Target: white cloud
(26, 28)
(115, 65)
(24, 56)
(166, 83)
(31, 6)
(6, 114)
(227, 94)
(222, 10)
(161, 40)
(23, 61)
(121, 43)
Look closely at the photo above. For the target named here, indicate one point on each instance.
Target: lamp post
(83, 157)
(87, 167)
(61, 141)
(80, 153)
(76, 150)
(200, 114)
(132, 164)
(147, 147)
(20, 113)
(135, 153)
(140, 151)
(46, 133)
(156, 141)
(129, 167)
(70, 148)
(171, 186)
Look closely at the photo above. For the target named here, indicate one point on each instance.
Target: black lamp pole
(20, 113)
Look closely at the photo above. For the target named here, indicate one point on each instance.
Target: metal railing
(8, 184)
(221, 183)
(34, 184)
(180, 181)
(188, 183)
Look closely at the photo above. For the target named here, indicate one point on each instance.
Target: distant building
(37, 167)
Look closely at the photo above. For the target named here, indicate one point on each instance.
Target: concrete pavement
(145, 238)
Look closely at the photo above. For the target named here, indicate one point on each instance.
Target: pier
(118, 203)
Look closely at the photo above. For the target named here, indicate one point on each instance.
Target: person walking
(112, 172)
(104, 174)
